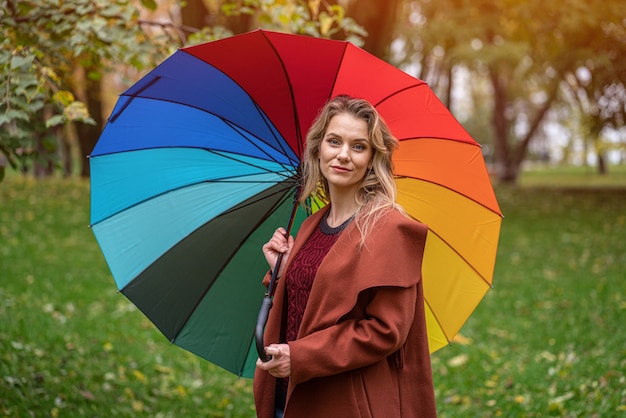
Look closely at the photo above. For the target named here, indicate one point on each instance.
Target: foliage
(546, 340)
(315, 18)
(43, 42)
(527, 52)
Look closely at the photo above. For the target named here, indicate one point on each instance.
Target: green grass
(574, 177)
(70, 345)
(546, 341)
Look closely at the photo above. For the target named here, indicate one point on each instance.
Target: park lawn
(548, 175)
(546, 340)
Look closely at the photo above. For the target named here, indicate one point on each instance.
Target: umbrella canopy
(198, 165)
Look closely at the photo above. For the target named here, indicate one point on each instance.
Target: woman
(347, 334)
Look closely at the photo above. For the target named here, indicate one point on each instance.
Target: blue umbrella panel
(188, 180)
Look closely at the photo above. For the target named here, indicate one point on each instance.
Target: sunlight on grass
(549, 176)
(545, 341)
(70, 344)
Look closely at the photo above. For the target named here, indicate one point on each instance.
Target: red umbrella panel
(198, 164)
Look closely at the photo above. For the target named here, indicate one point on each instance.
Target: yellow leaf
(140, 376)
(326, 22)
(491, 383)
(107, 347)
(50, 73)
(129, 392)
(137, 406)
(182, 392)
(63, 97)
(163, 369)
(459, 339)
(314, 7)
(458, 360)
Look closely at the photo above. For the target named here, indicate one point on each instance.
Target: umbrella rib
(445, 334)
(218, 180)
(454, 191)
(413, 86)
(281, 143)
(251, 202)
(461, 257)
(448, 244)
(291, 93)
(236, 128)
(228, 122)
(466, 262)
(389, 96)
(226, 261)
(231, 157)
(132, 97)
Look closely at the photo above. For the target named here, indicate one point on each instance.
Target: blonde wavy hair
(377, 190)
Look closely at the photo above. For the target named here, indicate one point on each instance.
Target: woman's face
(345, 153)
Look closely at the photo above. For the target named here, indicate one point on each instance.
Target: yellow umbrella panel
(445, 185)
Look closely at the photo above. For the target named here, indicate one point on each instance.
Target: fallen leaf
(460, 339)
(87, 395)
(458, 360)
(140, 376)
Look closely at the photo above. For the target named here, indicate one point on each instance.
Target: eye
(333, 141)
(359, 147)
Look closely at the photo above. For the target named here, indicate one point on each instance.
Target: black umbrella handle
(260, 328)
(265, 311)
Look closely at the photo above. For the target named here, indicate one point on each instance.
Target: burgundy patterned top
(302, 270)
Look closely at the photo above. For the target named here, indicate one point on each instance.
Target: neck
(343, 205)
(339, 213)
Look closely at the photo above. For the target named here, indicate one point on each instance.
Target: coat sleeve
(356, 342)
(381, 282)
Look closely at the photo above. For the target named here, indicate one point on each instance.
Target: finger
(274, 351)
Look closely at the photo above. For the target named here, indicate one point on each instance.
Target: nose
(343, 154)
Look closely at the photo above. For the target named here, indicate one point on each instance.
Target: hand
(279, 365)
(278, 244)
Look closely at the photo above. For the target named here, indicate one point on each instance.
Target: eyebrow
(332, 134)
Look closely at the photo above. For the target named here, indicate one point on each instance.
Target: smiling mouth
(338, 168)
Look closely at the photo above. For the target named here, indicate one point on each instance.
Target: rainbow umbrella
(198, 164)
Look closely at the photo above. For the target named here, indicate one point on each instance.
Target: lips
(340, 169)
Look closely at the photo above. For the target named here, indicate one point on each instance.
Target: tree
(44, 42)
(524, 49)
(378, 18)
(596, 83)
(313, 17)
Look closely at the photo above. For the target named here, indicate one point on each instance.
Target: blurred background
(534, 82)
(539, 84)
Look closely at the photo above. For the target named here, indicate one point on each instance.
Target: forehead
(346, 123)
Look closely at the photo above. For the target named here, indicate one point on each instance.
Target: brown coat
(362, 348)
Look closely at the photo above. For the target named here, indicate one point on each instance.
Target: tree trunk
(508, 160)
(602, 169)
(378, 18)
(88, 134)
(195, 14)
(447, 98)
(500, 127)
(65, 149)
